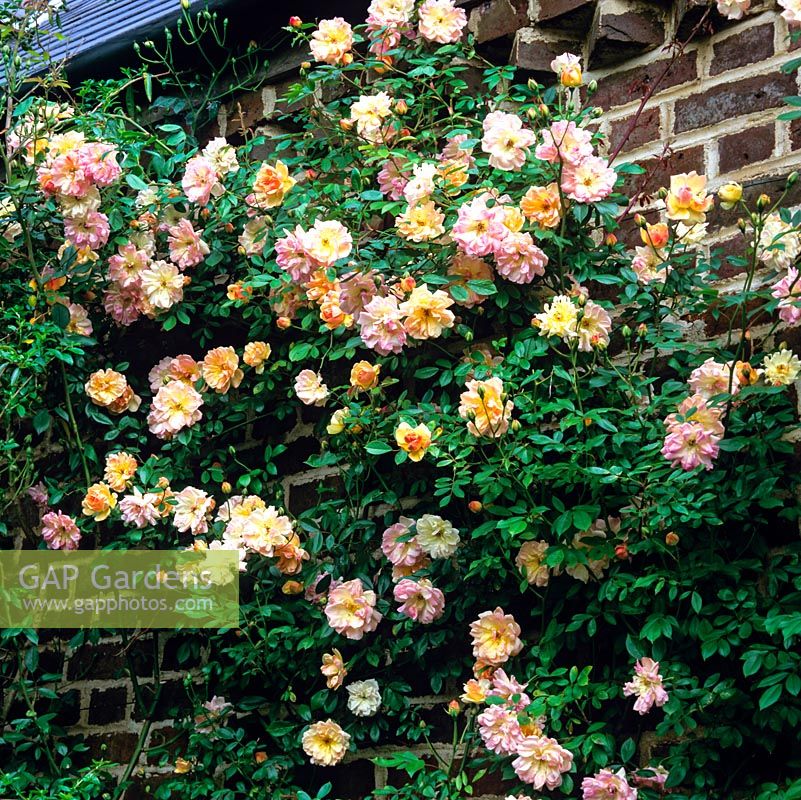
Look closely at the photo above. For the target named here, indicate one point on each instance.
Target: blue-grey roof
(93, 30)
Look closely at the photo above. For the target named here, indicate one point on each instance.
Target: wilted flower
(333, 667)
(646, 685)
(529, 561)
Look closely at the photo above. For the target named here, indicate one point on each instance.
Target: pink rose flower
(420, 600)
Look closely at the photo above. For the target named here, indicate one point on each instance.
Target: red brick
(730, 99)
(748, 147)
(108, 705)
(117, 746)
(747, 47)
(646, 130)
(624, 87)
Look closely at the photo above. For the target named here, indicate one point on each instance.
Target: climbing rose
(541, 762)
(333, 668)
(98, 501)
(484, 407)
(310, 389)
(364, 697)
(781, 368)
(200, 180)
(427, 313)
(529, 561)
(440, 21)
(327, 242)
(325, 743)
(350, 609)
(496, 637)
(687, 199)
(256, 353)
(608, 785)
(332, 40)
(500, 729)
(436, 536)
(420, 600)
(60, 531)
(270, 186)
(414, 441)
(564, 142)
(119, 470)
(221, 369)
(542, 204)
(187, 249)
(646, 685)
(175, 406)
(398, 546)
(589, 181)
(506, 140)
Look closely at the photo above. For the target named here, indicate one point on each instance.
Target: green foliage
(697, 569)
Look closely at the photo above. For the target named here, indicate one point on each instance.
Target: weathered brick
(730, 99)
(303, 496)
(117, 746)
(577, 14)
(108, 705)
(497, 18)
(108, 660)
(746, 47)
(172, 701)
(646, 130)
(624, 87)
(534, 49)
(623, 28)
(748, 147)
(795, 134)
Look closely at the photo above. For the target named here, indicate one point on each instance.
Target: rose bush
(542, 493)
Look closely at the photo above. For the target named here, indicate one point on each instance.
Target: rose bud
(475, 506)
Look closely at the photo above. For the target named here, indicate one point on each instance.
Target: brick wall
(713, 110)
